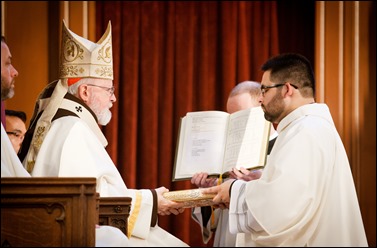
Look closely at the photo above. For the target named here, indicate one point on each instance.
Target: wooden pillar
(345, 62)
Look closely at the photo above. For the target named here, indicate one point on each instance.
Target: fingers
(198, 177)
(201, 179)
(163, 213)
(195, 178)
(174, 211)
(232, 175)
(211, 190)
(217, 199)
(181, 210)
(255, 174)
(237, 173)
(161, 190)
(212, 182)
(245, 174)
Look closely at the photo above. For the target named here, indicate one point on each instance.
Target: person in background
(243, 96)
(15, 127)
(8, 72)
(64, 138)
(10, 164)
(306, 195)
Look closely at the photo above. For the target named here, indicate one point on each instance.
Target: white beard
(104, 117)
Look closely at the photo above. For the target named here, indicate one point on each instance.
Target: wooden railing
(56, 212)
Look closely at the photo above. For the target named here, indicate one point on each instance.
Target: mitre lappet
(79, 58)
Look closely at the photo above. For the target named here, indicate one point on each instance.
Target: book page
(201, 143)
(247, 140)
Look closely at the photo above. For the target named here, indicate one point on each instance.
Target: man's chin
(104, 120)
(10, 93)
(103, 123)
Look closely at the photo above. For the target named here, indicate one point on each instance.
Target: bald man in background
(243, 96)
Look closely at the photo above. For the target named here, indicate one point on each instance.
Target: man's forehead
(5, 53)
(103, 81)
(266, 77)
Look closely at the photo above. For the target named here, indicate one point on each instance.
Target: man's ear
(83, 92)
(289, 89)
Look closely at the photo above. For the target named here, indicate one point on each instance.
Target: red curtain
(170, 58)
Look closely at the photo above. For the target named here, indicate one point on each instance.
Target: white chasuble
(306, 194)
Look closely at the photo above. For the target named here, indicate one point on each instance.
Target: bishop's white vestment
(73, 147)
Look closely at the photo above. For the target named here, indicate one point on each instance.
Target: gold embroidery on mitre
(83, 58)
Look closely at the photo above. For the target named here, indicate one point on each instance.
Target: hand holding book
(215, 142)
(245, 174)
(165, 206)
(221, 192)
(221, 144)
(199, 198)
(202, 180)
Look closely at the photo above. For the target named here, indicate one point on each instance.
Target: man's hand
(245, 174)
(201, 180)
(165, 206)
(222, 193)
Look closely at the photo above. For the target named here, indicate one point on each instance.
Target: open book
(215, 142)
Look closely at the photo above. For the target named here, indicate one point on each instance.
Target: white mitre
(81, 58)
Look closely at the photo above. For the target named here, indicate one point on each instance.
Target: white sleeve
(241, 219)
(11, 165)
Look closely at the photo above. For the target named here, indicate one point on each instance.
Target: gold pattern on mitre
(81, 58)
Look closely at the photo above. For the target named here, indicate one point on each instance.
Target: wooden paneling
(33, 33)
(48, 212)
(114, 211)
(26, 32)
(346, 81)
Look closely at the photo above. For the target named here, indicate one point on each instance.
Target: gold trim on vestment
(135, 213)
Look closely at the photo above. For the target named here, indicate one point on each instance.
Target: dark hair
(294, 68)
(15, 113)
(2, 39)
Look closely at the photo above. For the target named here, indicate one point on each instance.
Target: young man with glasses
(15, 127)
(306, 195)
(265, 88)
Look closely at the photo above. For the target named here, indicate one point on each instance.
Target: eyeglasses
(108, 89)
(16, 134)
(265, 88)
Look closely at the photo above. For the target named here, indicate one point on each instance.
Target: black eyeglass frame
(16, 134)
(264, 88)
(111, 90)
